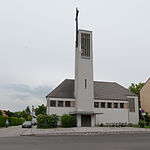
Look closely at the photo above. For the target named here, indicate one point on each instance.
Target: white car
(27, 124)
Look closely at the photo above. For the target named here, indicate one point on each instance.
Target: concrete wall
(145, 97)
(84, 70)
(59, 110)
(111, 115)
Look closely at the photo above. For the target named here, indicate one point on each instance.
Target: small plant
(68, 121)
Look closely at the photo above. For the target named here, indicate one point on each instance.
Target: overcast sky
(37, 40)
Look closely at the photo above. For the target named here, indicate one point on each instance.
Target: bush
(141, 123)
(3, 121)
(0, 113)
(16, 121)
(13, 121)
(47, 121)
(68, 121)
(101, 125)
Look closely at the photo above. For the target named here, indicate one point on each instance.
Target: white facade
(104, 115)
(59, 110)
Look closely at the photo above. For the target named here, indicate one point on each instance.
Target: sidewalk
(84, 131)
(12, 131)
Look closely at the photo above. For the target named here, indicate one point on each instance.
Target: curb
(86, 133)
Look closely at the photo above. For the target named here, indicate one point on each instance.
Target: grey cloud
(18, 96)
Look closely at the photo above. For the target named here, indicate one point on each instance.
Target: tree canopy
(9, 113)
(135, 88)
(40, 110)
(28, 109)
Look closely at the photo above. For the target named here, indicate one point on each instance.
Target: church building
(91, 102)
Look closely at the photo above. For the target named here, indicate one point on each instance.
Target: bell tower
(84, 92)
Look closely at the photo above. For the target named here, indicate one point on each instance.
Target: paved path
(84, 131)
(12, 131)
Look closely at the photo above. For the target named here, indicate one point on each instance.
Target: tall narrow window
(85, 45)
(131, 105)
(85, 83)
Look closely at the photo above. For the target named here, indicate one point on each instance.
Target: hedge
(68, 121)
(13, 121)
(47, 121)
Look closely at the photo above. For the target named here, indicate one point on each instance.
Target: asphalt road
(99, 142)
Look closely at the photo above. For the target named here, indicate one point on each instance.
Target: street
(99, 142)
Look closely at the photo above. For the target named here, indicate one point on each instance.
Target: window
(96, 104)
(85, 45)
(131, 105)
(115, 105)
(121, 105)
(85, 83)
(67, 103)
(109, 105)
(102, 104)
(60, 103)
(53, 103)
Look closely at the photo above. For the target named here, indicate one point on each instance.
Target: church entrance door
(86, 120)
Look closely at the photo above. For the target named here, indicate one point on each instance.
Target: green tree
(22, 114)
(135, 88)
(28, 109)
(9, 113)
(0, 113)
(40, 110)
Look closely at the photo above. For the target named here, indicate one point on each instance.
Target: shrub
(3, 121)
(0, 113)
(68, 121)
(13, 121)
(141, 123)
(101, 125)
(16, 121)
(47, 121)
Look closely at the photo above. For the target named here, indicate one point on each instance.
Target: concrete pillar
(93, 120)
(78, 120)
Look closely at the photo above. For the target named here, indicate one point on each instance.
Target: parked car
(27, 124)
